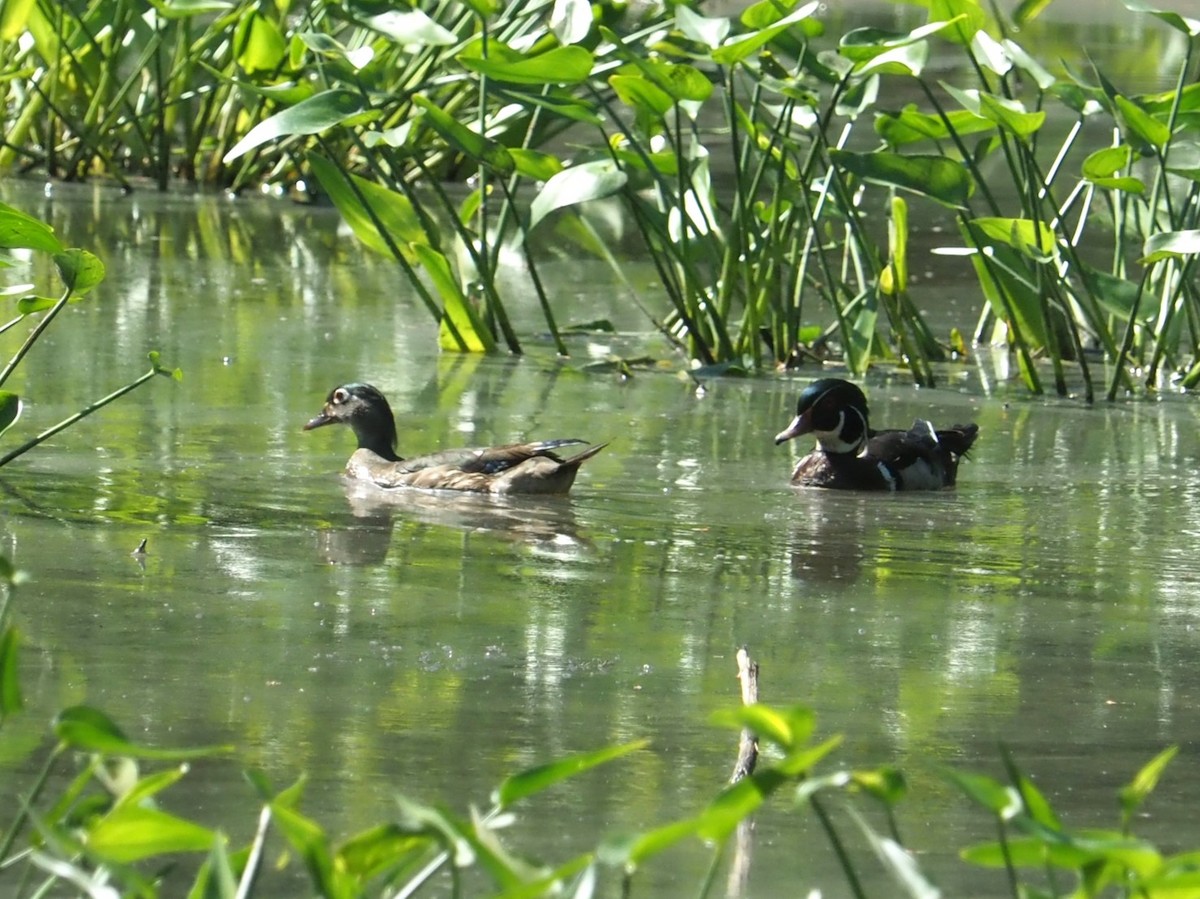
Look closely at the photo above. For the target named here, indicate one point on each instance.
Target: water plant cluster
(756, 155)
(96, 820)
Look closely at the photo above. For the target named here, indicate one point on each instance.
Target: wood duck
(516, 468)
(851, 456)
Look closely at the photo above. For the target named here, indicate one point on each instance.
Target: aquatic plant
(80, 272)
(761, 161)
(108, 831)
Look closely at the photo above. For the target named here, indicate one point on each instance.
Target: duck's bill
(800, 425)
(319, 422)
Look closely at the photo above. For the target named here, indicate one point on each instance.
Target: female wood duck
(851, 456)
(516, 468)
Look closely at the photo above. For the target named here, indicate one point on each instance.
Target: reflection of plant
(107, 822)
(80, 271)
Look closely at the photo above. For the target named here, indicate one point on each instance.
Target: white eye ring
(340, 396)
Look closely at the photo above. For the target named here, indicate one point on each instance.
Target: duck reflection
(547, 525)
(826, 545)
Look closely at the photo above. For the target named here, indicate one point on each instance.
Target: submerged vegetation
(92, 822)
(756, 155)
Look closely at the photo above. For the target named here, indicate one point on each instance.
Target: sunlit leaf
(457, 307)
(1185, 24)
(789, 729)
(535, 780)
(1001, 800)
(571, 20)
(411, 27)
(886, 784)
(185, 9)
(864, 44)
(1169, 245)
(470, 143)
(367, 207)
(705, 30)
(311, 116)
(561, 65)
(575, 185)
(374, 851)
(84, 728)
(1144, 782)
(130, 833)
(260, 43)
(24, 231)
(642, 94)
(737, 801)
(631, 850)
(310, 843)
(10, 409)
(911, 125)
(1028, 10)
(744, 46)
(79, 269)
(945, 180)
(535, 164)
(14, 17)
(1035, 239)
(1141, 124)
(965, 18)
(1029, 65)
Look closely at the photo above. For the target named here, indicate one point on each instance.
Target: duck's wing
(487, 460)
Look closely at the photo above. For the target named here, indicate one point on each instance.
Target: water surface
(429, 645)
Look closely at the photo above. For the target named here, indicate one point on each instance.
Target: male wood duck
(851, 456)
(516, 468)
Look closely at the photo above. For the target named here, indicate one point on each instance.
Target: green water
(430, 645)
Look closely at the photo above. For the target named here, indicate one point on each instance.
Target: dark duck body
(851, 456)
(515, 468)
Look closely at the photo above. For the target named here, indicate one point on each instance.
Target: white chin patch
(832, 442)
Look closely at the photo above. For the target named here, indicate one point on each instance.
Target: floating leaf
(311, 116)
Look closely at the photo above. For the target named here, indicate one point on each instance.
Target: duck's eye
(340, 396)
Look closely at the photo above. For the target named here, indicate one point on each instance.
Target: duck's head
(832, 410)
(368, 414)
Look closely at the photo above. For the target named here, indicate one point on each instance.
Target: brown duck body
(527, 468)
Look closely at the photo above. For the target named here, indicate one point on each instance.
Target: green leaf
(80, 270)
(537, 779)
(131, 833)
(185, 9)
(887, 784)
(1028, 10)
(24, 231)
(535, 164)
(706, 30)
(1169, 245)
(312, 116)
(738, 801)
(470, 143)
(368, 854)
(561, 65)
(1144, 782)
(84, 728)
(310, 843)
(260, 44)
(965, 18)
(10, 677)
(1185, 24)
(640, 93)
(455, 304)
(1100, 167)
(629, 851)
(911, 125)
(1141, 124)
(14, 18)
(1002, 801)
(789, 729)
(941, 179)
(10, 409)
(394, 211)
(1033, 239)
(575, 185)
(411, 28)
(745, 46)
(571, 20)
